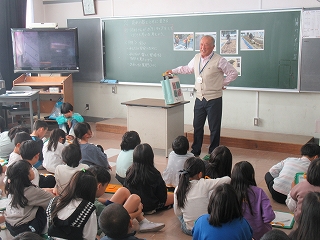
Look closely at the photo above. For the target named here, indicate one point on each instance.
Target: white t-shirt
(14, 157)
(124, 161)
(51, 159)
(63, 174)
(197, 199)
(6, 145)
(175, 163)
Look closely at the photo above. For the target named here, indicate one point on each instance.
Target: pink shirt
(224, 65)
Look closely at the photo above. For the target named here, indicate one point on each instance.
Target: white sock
(144, 221)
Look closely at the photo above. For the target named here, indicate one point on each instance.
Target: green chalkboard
(141, 49)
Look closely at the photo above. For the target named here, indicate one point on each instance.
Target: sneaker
(206, 157)
(147, 226)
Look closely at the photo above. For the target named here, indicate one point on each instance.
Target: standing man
(208, 68)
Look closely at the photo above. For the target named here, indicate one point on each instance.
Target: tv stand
(47, 86)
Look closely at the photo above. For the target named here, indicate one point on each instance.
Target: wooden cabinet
(62, 84)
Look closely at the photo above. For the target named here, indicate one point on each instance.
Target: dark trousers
(203, 109)
(36, 225)
(120, 179)
(47, 182)
(278, 197)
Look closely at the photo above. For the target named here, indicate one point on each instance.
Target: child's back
(224, 219)
(90, 153)
(219, 163)
(52, 150)
(191, 197)
(198, 198)
(146, 181)
(71, 155)
(27, 202)
(72, 215)
(256, 206)
(262, 213)
(176, 161)
(6, 140)
(280, 176)
(125, 158)
(175, 164)
(298, 192)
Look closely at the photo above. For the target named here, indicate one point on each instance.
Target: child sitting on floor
(91, 154)
(256, 206)
(6, 140)
(280, 176)
(308, 228)
(146, 181)
(219, 163)
(30, 151)
(125, 158)
(131, 202)
(191, 197)
(72, 215)
(68, 119)
(224, 219)
(52, 150)
(298, 192)
(71, 155)
(18, 139)
(40, 128)
(27, 203)
(176, 160)
(116, 223)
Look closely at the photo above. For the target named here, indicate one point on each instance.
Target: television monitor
(45, 50)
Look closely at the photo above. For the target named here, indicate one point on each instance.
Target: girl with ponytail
(191, 197)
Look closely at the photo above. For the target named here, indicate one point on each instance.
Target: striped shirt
(285, 171)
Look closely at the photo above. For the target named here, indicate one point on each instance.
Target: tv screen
(45, 50)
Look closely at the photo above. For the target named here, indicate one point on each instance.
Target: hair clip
(183, 171)
(83, 170)
(8, 180)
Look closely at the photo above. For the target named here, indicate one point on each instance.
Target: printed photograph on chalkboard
(251, 40)
(199, 35)
(235, 62)
(229, 42)
(183, 41)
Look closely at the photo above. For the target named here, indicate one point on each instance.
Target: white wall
(293, 113)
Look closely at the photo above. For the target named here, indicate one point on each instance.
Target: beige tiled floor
(261, 161)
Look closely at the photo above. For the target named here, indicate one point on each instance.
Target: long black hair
(142, 169)
(223, 205)
(220, 163)
(308, 227)
(242, 177)
(80, 129)
(17, 181)
(192, 167)
(55, 136)
(83, 184)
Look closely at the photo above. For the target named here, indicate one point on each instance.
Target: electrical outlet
(87, 106)
(114, 89)
(256, 121)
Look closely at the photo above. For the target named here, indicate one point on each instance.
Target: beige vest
(212, 78)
